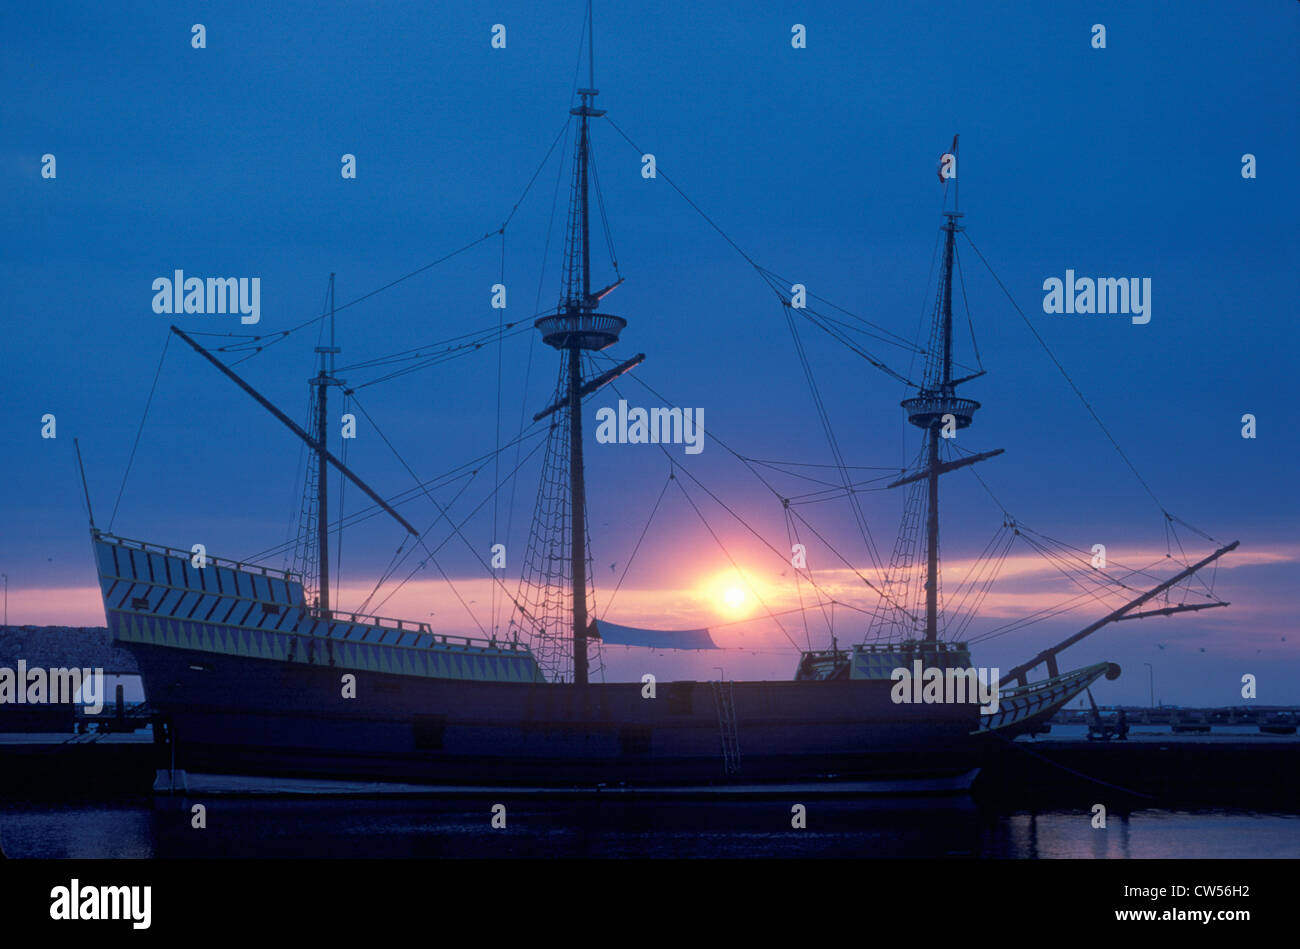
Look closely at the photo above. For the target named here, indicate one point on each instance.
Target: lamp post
(1152, 677)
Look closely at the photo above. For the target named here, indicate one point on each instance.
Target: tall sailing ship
(252, 670)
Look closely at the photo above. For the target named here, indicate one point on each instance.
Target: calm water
(370, 827)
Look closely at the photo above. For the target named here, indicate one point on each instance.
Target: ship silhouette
(247, 668)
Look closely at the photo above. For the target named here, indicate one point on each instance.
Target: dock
(1148, 769)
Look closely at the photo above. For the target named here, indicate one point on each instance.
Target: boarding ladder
(724, 698)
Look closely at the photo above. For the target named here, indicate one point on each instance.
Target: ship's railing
(355, 619)
(1051, 682)
(580, 322)
(166, 551)
(597, 330)
(412, 626)
(940, 404)
(365, 619)
(924, 410)
(913, 646)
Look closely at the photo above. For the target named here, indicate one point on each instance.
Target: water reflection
(385, 827)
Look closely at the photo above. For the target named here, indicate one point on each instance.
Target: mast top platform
(928, 409)
(587, 108)
(583, 329)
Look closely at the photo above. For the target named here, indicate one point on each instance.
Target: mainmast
(322, 381)
(577, 327)
(936, 409)
(934, 426)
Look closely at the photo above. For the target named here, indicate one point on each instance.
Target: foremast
(940, 412)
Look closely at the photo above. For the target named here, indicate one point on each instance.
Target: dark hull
(248, 716)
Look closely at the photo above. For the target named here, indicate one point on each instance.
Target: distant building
(62, 647)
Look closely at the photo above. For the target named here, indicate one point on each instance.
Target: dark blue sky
(819, 162)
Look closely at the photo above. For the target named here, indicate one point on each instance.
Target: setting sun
(730, 594)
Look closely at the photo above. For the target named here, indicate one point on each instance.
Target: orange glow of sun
(730, 594)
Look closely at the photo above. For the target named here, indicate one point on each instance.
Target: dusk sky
(818, 162)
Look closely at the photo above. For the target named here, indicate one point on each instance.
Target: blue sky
(819, 162)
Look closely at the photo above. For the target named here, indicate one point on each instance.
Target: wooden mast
(575, 329)
(323, 381)
(935, 407)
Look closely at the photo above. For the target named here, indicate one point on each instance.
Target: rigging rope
(628, 566)
(496, 455)
(401, 497)
(890, 337)
(537, 302)
(767, 276)
(838, 456)
(970, 323)
(775, 493)
(727, 553)
(252, 350)
(249, 341)
(416, 352)
(443, 513)
(140, 430)
(1066, 375)
(343, 486)
(437, 358)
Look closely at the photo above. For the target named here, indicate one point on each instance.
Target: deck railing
(287, 575)
(355, 619)
(411, 626)
(912, 645)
